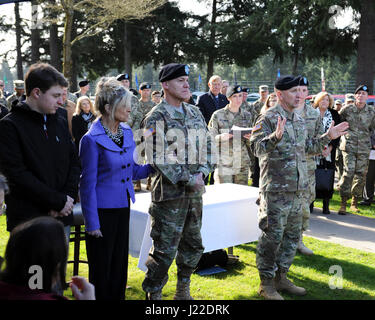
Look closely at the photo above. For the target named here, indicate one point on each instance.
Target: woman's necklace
(116, 137)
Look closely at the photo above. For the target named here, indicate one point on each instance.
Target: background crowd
(58, 148)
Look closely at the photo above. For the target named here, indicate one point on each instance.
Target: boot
(148, 187)
(137, 186)
(326, 206)
(354, 205)
(157, 295)
(282, 283)
(302, 248)
(267, 290)
(183, 290)
(342, 210)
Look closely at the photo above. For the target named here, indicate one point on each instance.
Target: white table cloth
(229, 219)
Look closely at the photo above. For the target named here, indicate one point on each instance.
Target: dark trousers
(209, 179)
(256, 173)
(108, 256)
(370, 180)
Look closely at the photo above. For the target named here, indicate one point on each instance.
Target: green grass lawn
(335, 202)
(241, 281)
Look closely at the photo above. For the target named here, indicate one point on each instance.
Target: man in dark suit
(211, 101)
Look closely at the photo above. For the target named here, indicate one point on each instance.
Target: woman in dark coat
(82, 119)
(324, 103)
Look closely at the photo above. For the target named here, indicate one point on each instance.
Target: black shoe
(341, 213)
(326, 206)
(366, 202)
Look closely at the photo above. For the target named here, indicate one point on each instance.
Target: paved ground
(350, 230)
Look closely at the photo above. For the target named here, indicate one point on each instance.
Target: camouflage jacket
(138, 112)
(283, 162)
(361, 124)
(178, 146)
(257, 106)
(314, 127)
(233, 153)
(246, 106)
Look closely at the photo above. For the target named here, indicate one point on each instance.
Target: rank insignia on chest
(257, 127)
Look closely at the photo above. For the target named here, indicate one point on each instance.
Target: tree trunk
(127, 52)
(54, 43)
(35, 33)
(212, 51)
(366, 46)
(67, 45)
(18, 40)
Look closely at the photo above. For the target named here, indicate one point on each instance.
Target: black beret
(303, 81)
(361, 87)
(233, 90)
(246, 90)
(287, 82)
(83, 83)
(144, 85)
(123, 76)
(172, 71)
(133, 91)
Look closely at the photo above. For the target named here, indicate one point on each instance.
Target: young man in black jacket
(37, 154)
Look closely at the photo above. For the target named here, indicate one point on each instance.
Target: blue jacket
(107, 172)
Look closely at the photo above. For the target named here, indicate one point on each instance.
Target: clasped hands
(67, 210)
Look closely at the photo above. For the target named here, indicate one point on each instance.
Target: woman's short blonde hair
(79, 102)
(320, 96)
(111, 92)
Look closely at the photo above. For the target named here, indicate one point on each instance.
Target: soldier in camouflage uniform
(230, 168)
(19, 88)
(339, 160)
(137, 114)
(355, 147)
(258, 104)
(177, 188)
(314, 127)
(280, 141)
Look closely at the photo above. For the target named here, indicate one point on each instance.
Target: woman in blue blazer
(108, 168)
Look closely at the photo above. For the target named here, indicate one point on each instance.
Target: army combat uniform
(355, 147)
(283, 185)
(176, 209)
(234, 154)
(314, 127)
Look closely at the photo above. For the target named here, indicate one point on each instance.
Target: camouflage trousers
(240, 178)
(280, 219)
(353, 178)
(175, 229)
(339, 163)
(309, 196)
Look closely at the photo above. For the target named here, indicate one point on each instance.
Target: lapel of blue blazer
(97, 130)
